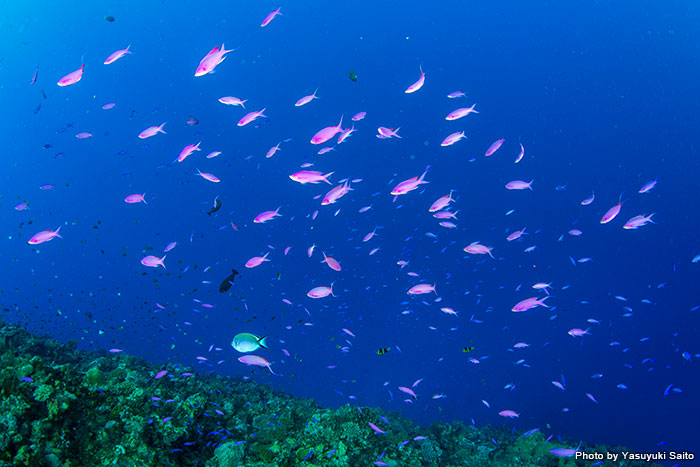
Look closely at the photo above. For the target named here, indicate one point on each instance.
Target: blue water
(602, 95)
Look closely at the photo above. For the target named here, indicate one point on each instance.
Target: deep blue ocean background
(603, 96)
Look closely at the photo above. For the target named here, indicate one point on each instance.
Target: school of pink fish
(333, 192)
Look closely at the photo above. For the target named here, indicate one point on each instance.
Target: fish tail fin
(263, 110)
(649, 218)
(160, 128)
(434, 285)
(325, 177)
(529, 185)
(56, 233)
(243, 102)
(161, 261)
(144, 198)
(269, 367)
(262, 341)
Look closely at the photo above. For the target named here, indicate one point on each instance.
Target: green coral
(64, 407)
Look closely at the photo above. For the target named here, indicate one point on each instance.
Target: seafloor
(64, 407)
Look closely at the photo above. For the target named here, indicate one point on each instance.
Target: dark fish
(47, 146)
(43, 94)
(109, 19)
(217, 206)
(36, 74)
(192, 120)
(353, 75)
(467, 349)
(37, 109)
(382, 351)
(133, 112)
(228, 282)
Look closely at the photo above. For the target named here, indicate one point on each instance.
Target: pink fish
(211, 60)
(612, 212)
(170, 246)
(310, 176)
(515, 235)
(326, 149)
(520, 154)
(576, 332)
(590, 396)
(408, 391)
(453, 138)
(21, 207)
(559, 385)
(588, 201)
(44, 236)
(409, 185)
(348, 332)
(494, 147)
(638, 221)
(519, 185)
(384, 132)
(456, 94)
(359, 116)
(286, 250)
(418, 84)
(208, 176)
(187, 150)
(83, 135)
(266, 216)
(257, 361)
(135, 198)
(109, 105)
(564, 452)
(477, 249)
(331, 262)
(114, 56)
(153, 261)
(213, 154)
(256, 261)
(448, 225)
(521, 345)
(320, 292)
(306, 99)
(441, 203)
(249, 117)
(508, 414)
(529, 303)
(229, 100)
(648, 186)
(365, 208)
(270, 17)
(345, 134)
(421, 289)
(446, 215)
(327, 133)
(161, 373)
(271, 152)
(376, 429)
(72, 77)
(370, 235)
(336, 193)
(459, 113)
(152, 131)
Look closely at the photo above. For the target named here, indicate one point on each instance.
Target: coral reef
(64, 407)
